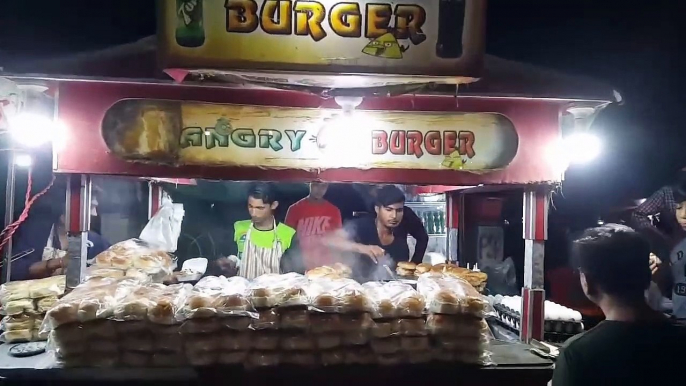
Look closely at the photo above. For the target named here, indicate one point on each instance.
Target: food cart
(387, 107)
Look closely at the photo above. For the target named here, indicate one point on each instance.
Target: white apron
(678, 260)
(256, 261)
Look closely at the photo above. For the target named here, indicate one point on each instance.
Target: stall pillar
(535, 233)
(77, 215)
(155, 194)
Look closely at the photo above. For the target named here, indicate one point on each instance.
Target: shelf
(418, 204)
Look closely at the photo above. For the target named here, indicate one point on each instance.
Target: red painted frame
(82, 105)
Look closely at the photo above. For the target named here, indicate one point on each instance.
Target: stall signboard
(442, 38)
(187, 133)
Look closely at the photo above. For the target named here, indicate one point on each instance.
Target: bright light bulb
(32, 130)
(23, 160)
(582, 147)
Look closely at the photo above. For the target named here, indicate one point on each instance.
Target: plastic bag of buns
(271, 290)
(338, 296)
(135, 304)
(18, 322)
(451, 295)
(394, 300)
(89, 301)
(135, 253)
(456, 325)
(166, 303)
(217, 295)
(31, 289)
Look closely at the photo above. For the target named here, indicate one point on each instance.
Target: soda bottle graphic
(190, 29)
(450, 24)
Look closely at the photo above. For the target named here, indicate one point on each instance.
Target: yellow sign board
(296, 138)
(419, 38)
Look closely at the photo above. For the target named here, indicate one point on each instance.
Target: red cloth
(312, 220)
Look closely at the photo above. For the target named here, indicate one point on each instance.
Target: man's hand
(655, 263)
(228, 266)
(374, 252)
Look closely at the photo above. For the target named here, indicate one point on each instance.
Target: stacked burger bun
(340, 321)
(133, 259)
(24, 304)
(335, 271)
(455, 318)
(398, 334)
(216, 321)
(272, 320)
(406, 268)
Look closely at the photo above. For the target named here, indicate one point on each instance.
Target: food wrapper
(451, 295)
(214, 296)
(272, 290)
(68, 335)
(135, 253)
(201, 343)
(356, 322)
(338, 296)
(394, 300)
(131, 327)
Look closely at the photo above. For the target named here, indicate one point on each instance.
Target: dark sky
(629, 44)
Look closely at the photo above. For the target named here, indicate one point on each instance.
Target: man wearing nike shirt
(410, 225)
(313, 217)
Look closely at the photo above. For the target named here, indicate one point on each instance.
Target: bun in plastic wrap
(235, 341)
(328, 341)
(450, 295)
(356, 338)
(410, 327)
(385, 345)
(338, 296)
(232, 357)
(135, 359)
(263, 359)
(237, 323)
(300, 358)
(265, 340)
(298, 319)
(267, 319)
(332, 357)
(415, 343)
(167, 303)
(321, 323)
(201, 343)
(295, 342)
(200, 326)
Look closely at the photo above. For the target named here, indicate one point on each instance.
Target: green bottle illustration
(190, 29)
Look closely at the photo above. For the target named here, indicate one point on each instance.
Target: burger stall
(354, 101)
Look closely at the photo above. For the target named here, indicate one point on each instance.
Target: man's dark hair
(615, 258)
(388, 195)
(262, 191)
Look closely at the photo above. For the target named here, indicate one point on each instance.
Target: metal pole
(9, 217)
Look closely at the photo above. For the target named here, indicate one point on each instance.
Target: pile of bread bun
(134, 259)
(475, 278)
(455, 318)
(24, 304)
(335, 271)
(274, 319)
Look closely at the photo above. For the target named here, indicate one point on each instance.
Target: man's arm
(291, 260)
(344, 239)
(416, 229)
(650, 207)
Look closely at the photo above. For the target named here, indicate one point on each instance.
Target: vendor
(410, 224)
(312, 218)
(262, 244)
(43, 237)
(373, 241)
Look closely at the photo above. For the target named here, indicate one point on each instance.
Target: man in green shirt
(635, 345)
(262, 244)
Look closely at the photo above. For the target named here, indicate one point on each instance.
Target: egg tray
(557, 330)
